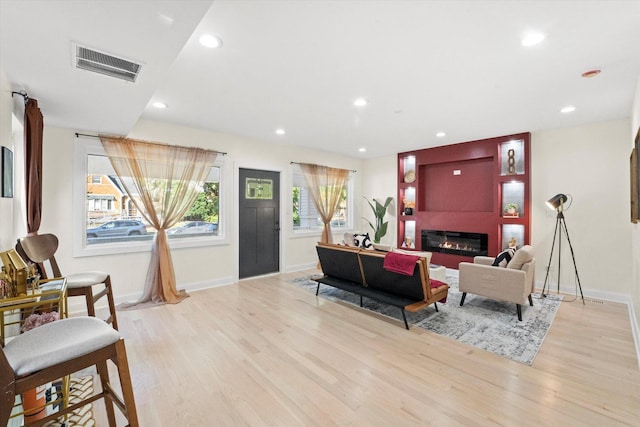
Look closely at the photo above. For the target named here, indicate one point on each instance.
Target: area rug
(79, 389)
(482, 323)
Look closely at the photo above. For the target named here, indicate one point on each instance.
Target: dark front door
(259, 222)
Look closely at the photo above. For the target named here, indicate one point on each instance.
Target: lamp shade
(557, 201)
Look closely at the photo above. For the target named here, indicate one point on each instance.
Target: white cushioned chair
(54, 350)
(41, 248)
(513, 283)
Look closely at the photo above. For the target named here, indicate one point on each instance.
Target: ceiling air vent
(99, 62)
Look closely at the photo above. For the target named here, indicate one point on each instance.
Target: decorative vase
(408, 211)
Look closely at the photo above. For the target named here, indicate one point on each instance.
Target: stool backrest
(39, 249)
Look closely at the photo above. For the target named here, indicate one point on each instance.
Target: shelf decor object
(410, 177)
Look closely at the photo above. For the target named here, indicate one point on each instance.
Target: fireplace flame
(457, 246)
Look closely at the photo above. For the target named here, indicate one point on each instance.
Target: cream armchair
(515, 283)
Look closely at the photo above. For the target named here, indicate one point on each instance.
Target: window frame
(84, 147)
(318, 231)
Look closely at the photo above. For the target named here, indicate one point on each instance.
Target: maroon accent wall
(470, 201)
(439, 183)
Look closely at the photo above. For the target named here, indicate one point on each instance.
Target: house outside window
(110, 218)
(305, 215)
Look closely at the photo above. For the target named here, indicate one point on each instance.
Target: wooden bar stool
(55, 350)
(41, 248)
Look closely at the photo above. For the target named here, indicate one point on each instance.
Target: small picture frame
(7, 172)
(635, 180)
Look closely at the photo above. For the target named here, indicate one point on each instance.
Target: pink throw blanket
(400, 263)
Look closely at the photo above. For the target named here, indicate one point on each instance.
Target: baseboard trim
(77, 305)
(300, 267)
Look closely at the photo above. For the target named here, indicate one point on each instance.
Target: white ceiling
(424, 66)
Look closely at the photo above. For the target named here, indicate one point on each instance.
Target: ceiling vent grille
(99, 62)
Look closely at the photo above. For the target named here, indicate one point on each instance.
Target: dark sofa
(361, 271)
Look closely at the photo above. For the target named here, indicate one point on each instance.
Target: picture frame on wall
(635, 180)
(7, 172)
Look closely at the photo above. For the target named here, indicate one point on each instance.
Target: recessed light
(280, 131)
(360, 102)
(591, 73)
(532, 39)
(568, 109)
(159, 104)
(441, 134)
(211, 41)
(362, 150)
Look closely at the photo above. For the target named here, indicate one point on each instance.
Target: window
(110, 219)
(305, 214)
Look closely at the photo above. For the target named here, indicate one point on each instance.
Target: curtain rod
(97, 136)
(23, 94)
(300, 163)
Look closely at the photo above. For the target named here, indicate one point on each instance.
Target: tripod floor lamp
(557, 203)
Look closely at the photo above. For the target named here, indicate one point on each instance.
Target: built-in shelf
(467, 187)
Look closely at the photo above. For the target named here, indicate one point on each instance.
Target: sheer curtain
(163, 181)
(326, 186)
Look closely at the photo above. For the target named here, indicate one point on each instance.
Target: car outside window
(111, 217)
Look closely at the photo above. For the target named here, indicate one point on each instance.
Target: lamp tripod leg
(555, 233)
(573, 257)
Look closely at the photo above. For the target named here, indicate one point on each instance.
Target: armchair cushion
(521, 257)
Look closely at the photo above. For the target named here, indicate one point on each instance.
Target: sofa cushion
(436, 284)
(521, 257)
(421, 254)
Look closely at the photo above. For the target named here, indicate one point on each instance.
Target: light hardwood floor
(265, 352)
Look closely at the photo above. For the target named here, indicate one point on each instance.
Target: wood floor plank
(265, 352)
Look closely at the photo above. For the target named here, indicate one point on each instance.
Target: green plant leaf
(379, 211)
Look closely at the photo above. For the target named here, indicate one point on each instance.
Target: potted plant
(511, 209)
(379, 211)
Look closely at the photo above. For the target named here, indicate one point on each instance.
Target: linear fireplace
(454, 242)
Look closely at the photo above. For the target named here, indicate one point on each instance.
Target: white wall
(380, 181)
(590, 163)
(195, 267)
(12, 210)
(6, 204)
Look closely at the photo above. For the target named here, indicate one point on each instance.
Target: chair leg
(404, 317)
(464, 295)
(103, 373)
(112, 305)
(360, 300)
(435, 304)
(318, 289)
(126, 384)
(519, 309)
(530, 300)
(88, 295)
